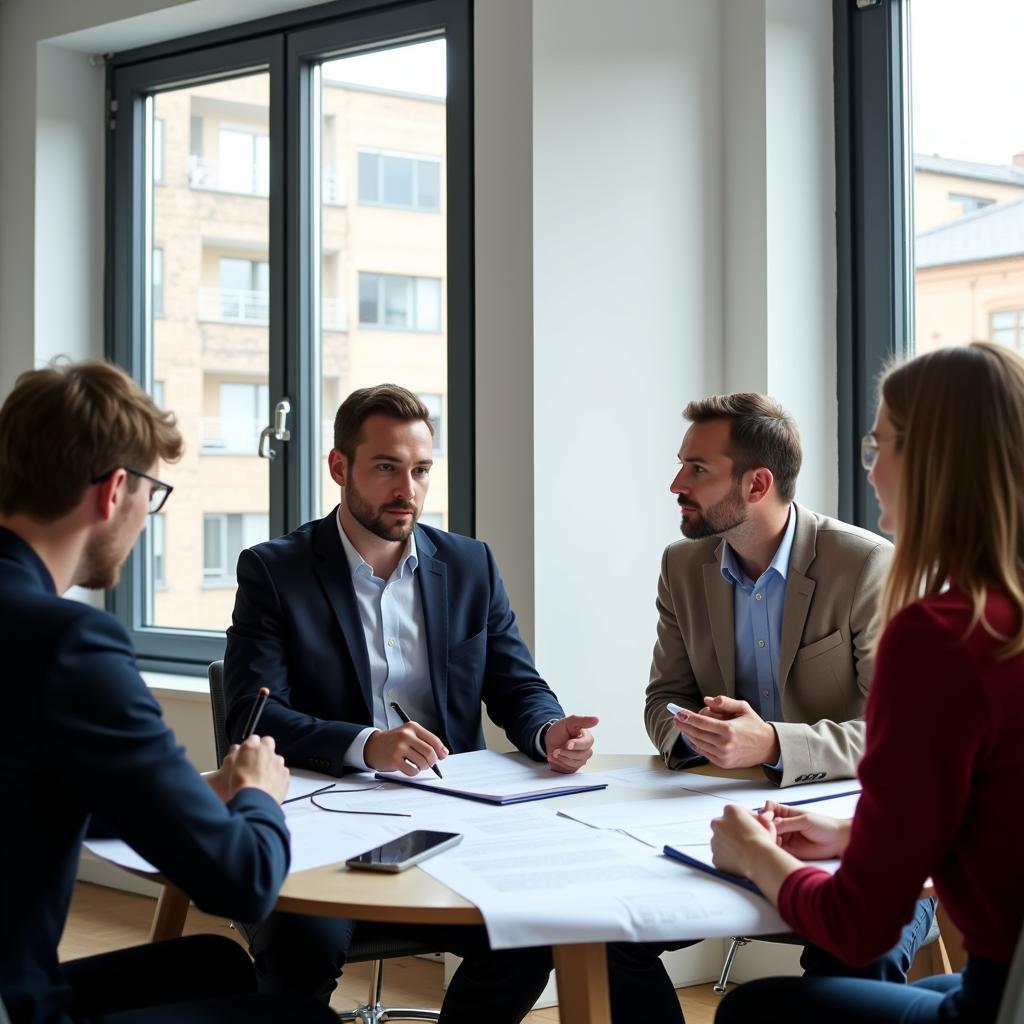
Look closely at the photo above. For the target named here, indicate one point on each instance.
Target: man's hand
(730, 734)
(808, 836)
(739, 838)
(569, 743)
(408, 748)
(254, 765)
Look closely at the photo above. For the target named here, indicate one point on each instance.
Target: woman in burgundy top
(943, 770)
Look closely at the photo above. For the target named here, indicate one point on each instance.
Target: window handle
(278, 431)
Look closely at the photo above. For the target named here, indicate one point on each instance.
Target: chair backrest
(1011, 1009)
(220, 710)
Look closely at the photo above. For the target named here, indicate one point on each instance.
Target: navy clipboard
(499, 799)
(708, 869)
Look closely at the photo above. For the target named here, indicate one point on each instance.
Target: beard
(100, 567)
(727, 514)
(372, 519)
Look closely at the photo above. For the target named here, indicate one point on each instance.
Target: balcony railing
(230, 435)
(234, 306)
(240, 306)
(213, 176)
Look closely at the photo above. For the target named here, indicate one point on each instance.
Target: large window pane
(209, 348)
(385, 254)
(968, 172)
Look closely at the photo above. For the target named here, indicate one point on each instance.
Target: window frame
(288, 46)
(874, 224)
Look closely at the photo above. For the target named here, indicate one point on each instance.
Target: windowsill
(395, 329)
(222, 583)
(195, 688)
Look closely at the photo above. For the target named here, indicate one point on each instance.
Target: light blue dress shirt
(757, 609)
(757, 625)
(391, 613)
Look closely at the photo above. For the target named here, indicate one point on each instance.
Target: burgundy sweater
(943, 792)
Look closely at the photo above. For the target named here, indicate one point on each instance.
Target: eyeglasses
(158, 495)
(869, 448)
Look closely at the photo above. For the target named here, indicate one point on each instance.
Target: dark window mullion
(875, 292)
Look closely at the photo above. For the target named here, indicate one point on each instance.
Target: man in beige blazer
(764, 640)
(765, 629)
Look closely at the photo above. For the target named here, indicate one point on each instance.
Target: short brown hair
(65, 425)
(386, 399)
(761, 433)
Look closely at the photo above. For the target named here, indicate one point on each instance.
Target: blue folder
(710, 869)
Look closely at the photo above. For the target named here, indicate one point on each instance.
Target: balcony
(241, 306)
(230, 436)
(213, 176)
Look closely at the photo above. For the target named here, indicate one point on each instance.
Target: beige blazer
(835, 578)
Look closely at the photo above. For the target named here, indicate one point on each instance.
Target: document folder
(433, 786)
(709, 869)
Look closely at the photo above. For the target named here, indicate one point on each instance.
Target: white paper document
(540, 879)
(681, 821)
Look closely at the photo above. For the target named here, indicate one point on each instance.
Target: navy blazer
(296, 630)
(80, 733)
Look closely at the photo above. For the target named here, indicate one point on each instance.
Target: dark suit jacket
(296, 630)
(81, 734)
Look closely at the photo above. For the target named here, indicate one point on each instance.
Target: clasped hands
(410, 748)
(729, 733)
(741, 838)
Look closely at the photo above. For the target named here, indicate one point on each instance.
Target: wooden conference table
(414, 897)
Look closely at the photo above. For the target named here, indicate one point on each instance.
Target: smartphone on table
(403, 852)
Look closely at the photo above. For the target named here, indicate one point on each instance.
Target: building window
(400, 303)
(434, 404)
(244, 410)
(967, 203)
(158, 151)
(158, 282)
(435, 519)
(244, 162)
(408, 182)
(1005, 327)
(225, 536)
(158, 547)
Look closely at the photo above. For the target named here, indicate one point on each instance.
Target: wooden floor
(104, 919)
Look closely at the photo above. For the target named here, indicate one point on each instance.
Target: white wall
(628, 304)
(779, 212)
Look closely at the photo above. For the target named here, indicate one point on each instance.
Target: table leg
(581, 973)
(169, 918)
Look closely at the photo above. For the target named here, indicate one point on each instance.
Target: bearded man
(365, 610)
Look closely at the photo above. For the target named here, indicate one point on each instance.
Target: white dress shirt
(391, 614)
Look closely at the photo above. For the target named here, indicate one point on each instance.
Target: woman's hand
(739, 838)
(808, 836)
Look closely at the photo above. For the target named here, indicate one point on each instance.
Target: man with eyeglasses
(765, 642)
(80, 734)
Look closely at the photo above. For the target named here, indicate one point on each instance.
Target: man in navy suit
(80, 733)
(363, 609)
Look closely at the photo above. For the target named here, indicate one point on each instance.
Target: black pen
(397, 708)
(254, 714)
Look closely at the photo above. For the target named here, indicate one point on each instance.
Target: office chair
(938, 961)
(372, 942)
